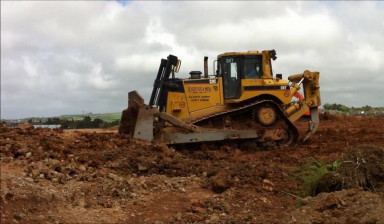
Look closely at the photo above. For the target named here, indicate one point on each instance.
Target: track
(244, 118)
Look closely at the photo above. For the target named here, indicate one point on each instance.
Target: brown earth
(93, 176)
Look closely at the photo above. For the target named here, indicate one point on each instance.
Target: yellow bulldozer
(240, 101)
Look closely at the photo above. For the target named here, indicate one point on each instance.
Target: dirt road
(55, 176)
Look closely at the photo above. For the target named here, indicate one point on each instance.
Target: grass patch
(108, 117)
(312, 173)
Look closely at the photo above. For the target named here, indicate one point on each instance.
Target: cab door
(230, 71)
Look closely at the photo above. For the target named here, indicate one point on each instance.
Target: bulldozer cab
(233, 69)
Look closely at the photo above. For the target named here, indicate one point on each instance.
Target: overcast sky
(64, 57)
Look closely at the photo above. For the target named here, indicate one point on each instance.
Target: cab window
(230, 72)
(252, 68)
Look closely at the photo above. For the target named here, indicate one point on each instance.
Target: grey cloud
(65, 57)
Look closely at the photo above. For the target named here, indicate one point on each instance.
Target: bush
(311, 174)
(362, 166)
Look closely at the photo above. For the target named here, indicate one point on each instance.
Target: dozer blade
(206, 135)
(144, 124)
(314, 123)
(137, 120)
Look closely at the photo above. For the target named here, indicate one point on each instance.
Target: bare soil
(93, 176)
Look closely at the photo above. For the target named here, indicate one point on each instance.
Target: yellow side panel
(255, 87)
(177, 105)
(204, 96)
(201, 98)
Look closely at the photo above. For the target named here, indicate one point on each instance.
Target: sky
(66, 57)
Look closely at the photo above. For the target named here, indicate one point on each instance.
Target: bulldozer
(241, 101)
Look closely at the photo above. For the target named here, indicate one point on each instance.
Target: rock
(199, 210)
(305, 201)
(214, 218)
(115, 177)
(221, 182)
(178, 216)
(23, 150)
(142, 167)
(268, 185)
(29, 154)
(331, 201)
(265, 200)
(82, 168)
(133, 195)
(55, 164)
(351, 192)
(45, 171)
(35, 173)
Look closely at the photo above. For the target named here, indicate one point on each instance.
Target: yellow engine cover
(200, 98)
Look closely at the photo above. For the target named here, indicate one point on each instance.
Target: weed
(311, 173)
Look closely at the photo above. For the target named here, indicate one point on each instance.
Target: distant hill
(107, 117)
(111, 117)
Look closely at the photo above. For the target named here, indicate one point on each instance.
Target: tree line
(86, 122)
(345, 109)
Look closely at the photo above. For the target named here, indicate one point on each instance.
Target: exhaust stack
(206, 67)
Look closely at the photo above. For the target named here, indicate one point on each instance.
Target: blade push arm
(310, 82)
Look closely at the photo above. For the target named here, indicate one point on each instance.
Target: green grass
(108, 117)
(311, 173)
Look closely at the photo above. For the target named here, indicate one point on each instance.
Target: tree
(56, 120)
(87, 122)
(65, 124)
(338, 107)
(97, 123)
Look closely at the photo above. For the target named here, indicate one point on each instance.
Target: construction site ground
(93, 176)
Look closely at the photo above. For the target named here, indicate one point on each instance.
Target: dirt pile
(363, 166)
(94, 176)
(346, 206)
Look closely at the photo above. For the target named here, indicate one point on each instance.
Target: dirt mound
(363, 166)
(221, 182)
(93, 176)
(346, 206)
(331, 116)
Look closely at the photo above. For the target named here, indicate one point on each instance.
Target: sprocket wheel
(266, 115)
